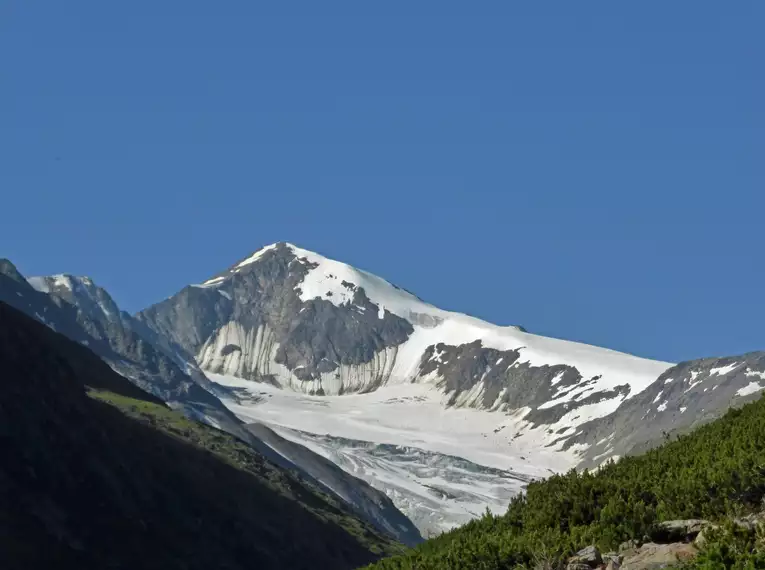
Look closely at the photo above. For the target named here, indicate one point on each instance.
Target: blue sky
(590, 171)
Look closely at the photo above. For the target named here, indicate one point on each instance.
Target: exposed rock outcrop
(589, 556)
(653, 556)
(251, 322)
(678, 530)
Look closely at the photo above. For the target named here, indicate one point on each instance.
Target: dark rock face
(350, 336)
(251, 317)
(190, 318)
(684, 397)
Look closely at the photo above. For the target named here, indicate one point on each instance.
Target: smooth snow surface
(326, 282)
(211, 282)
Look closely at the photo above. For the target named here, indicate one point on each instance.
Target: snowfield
(440, 466)
(408, 415)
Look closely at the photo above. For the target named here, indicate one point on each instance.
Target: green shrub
(716, 471)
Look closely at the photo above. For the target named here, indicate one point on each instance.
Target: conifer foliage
(718, 471)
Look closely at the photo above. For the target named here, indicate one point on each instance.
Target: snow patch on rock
(751, 388)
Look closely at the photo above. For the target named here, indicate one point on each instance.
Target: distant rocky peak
(282, 250)
(79, 291)
(9, 270)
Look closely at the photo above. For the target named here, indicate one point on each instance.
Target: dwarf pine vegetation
(714, 473)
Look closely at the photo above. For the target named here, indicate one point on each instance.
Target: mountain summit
(301, 321)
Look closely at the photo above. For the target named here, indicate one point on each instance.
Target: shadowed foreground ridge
(98, 474)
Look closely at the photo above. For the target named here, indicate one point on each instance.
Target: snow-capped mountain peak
(337, 282)
(334, 281)
(305, 322)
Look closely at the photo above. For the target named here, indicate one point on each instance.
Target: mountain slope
(684, 397)
(97, 473)
(86, 313)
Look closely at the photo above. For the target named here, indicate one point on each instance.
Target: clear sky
(592, 171)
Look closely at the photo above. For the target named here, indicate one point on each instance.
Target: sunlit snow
(723, 370)
(751, 388)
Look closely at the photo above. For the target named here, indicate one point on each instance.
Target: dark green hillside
(717, 471)
(96, 473)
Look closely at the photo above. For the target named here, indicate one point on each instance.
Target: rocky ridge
(87, 314)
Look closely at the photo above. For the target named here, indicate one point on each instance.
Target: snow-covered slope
(441, 466)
